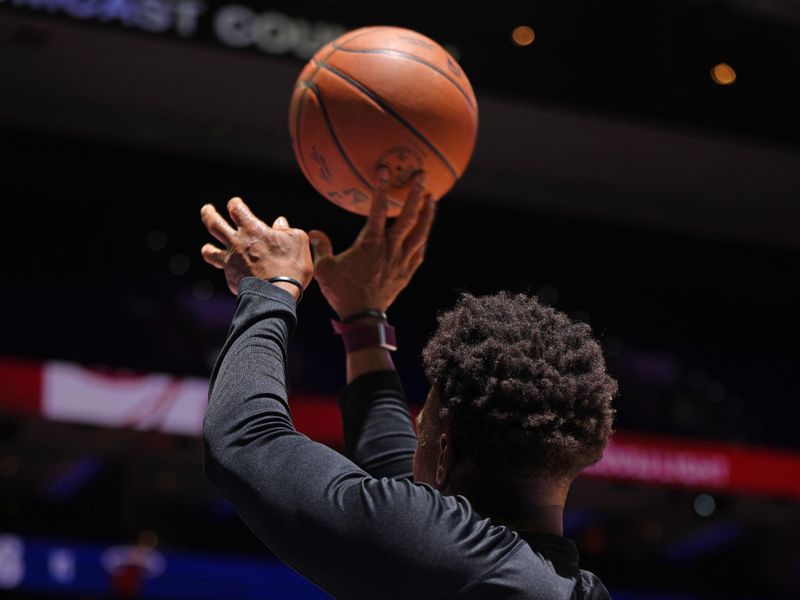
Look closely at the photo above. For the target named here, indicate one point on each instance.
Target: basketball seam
(380, 102)
(406, 55)
(313, 87)
(305, 85)
(297, 139)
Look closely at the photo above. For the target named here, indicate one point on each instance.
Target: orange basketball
(382, 96)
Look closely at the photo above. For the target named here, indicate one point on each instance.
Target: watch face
(386, 336)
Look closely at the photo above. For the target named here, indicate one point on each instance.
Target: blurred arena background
(637, 166)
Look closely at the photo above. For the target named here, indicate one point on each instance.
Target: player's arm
(378, 432)
(352, 534)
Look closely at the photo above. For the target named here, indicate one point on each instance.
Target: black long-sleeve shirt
(358, 527)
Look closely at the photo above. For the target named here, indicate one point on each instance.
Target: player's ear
(446, 461)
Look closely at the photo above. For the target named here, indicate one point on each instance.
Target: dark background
(612, 177)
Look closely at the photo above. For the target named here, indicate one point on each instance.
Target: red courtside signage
(663, 460)
(69, 392)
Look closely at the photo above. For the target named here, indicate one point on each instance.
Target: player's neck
(525, 505)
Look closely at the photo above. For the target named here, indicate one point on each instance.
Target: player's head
(517, 389)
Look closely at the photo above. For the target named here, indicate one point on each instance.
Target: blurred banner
(67, 567)
(67, 392)
(60, 391)
(71, 567)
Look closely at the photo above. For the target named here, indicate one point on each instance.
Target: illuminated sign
(232, 25)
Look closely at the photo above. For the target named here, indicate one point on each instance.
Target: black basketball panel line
(296, 137)
(391, 111)
(305, 85)
(312, 86)
(408, 56)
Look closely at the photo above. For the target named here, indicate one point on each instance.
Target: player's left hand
(254, 249)
(382, 260)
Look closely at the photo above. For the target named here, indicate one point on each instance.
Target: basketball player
(471, 507)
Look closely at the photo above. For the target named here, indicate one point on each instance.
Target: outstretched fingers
(411, 210)
(216, 225)
(241, 215)
(415, 260)
(213, 255)
(376, 220)
(321, 245)
(418, 236)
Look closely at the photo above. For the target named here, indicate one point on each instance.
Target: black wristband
(367, 312)
(285, 279)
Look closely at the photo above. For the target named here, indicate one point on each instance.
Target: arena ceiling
(610, 118)
(613, 116)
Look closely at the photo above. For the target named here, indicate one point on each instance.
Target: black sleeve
(378, 433)
(352, 534)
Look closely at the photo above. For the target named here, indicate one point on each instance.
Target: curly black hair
(523, 388)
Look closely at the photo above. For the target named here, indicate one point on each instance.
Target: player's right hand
(254, 249)
(382, 260)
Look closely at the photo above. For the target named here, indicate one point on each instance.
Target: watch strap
(375, 313)
(358, 336)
